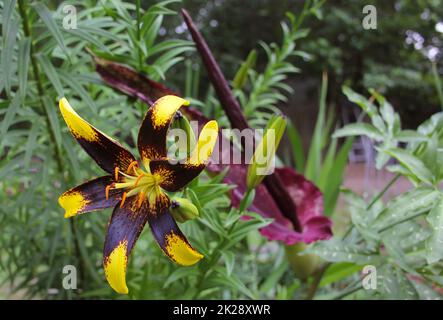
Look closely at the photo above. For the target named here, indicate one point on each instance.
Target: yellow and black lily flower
(137, 189)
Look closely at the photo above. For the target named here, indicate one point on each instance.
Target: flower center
(136, 182)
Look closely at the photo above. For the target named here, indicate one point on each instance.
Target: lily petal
(89, 196)
(129, 81)
(124, 229)
(107, 152)
(155, 125)
(180, 174)
(171, 240)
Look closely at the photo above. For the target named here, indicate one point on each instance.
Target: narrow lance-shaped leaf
(7, 55)
(359, 129)
(297, 147)
(407, 206)
(415, 166)
(242, 73)
(313, 163)
(51, 24)
(51, 73)
(434, 244)
(24, 50)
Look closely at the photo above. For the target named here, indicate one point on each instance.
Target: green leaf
(297, 147)
(426, 292)
(434, 244)
(242, 74)
(386, 110)
(359, 129)
(409, 136)
(7, 55)
(78, 88)
(393, 284)
(8, 7)
(180, 273)
(339, 271)
(24, 50)
(366, 106)
(336, 250)
(412, 163)
(229, 258)
(335, 177)
(313, 161)
(9, 115)
(407, 206)
(50, 108)
(274, 276)
(51, 73)
(361, 101)
(51, 24)
(231, 281)
(242, 228)
(30, 145)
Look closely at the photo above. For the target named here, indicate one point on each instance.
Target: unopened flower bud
(183, 210)
(263, 160)
(180, 122)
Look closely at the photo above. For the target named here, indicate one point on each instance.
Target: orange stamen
(132, 165)
(116, 173)
(138, 179)
(107, 191)
(141, 197)
(123, 200)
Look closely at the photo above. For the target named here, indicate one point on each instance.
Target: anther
(141, 197)
(107, 191)
(116, 173)
(132, 166)
(123, 200)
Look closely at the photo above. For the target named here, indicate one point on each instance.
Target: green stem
(348, 292)
(382, 192)
(316, 282)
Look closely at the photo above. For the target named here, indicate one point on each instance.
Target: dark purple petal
(129, 81)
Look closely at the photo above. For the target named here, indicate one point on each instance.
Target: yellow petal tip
(72, 202)
(115, 268)
(180, 251)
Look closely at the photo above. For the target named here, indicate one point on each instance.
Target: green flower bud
(180, 122)
(183, 210)
(303, 265)
(264, 154)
